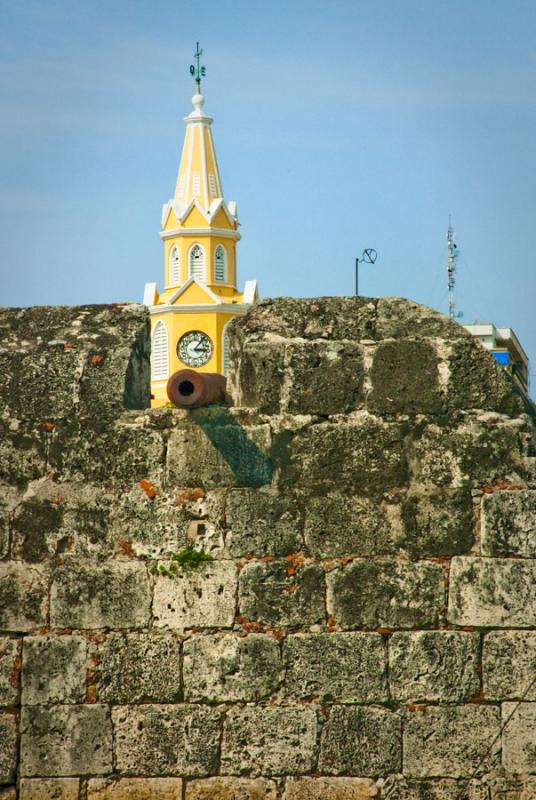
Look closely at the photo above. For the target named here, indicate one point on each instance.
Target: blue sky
(338, 125)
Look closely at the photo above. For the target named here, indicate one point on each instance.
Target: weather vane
(198, 70)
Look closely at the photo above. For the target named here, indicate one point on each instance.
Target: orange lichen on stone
(148, 488)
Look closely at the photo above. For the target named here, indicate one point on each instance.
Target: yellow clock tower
(189, 318)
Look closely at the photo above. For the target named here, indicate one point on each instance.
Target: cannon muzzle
(189, 389)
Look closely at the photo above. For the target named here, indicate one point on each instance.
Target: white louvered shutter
(220, 264)
(159, 352)
(197, 262)
(174, 267)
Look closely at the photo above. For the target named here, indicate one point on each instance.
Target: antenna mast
(452, 249)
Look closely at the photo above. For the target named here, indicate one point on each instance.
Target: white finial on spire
(198, 101)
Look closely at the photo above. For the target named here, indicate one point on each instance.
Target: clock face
(194, 349)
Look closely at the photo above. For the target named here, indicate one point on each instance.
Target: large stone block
(387, 593)
(268, 741)
(49, 789)
(230, 668)
(135, 789)
(109, 594)
(231, 789)
(477, 381)
(65, 741)
(361, 454)
(330, 789)
(148, 526)
(10, 498)
(212, 449)
(360, 741)
(509, 524)
(405, 378)
(23, 452)
(138, 668)
(509, 665)
(338, 524)
(10, 661)
(435, 666)
(282, 593)
(8, 747)
(322, 378)
(492, 593)
(451, 741)
(438, 523)
(162, 740)
(344, 667)
(59, 361)
(519, 738)
(201, 597)
(123, 452)
(23, 596)
(397, 787)
(475, 449)
(262, 523)
(54, 670)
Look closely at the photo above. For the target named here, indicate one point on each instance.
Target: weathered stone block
(344, 667)
(213, 449)
(23, 597)
(509, 665)
(438, 523)
(134, 789)
(8, 747)
(338, 524)
(330, 789)
(23, 447)
(282, 593)
(387, 593)
(123, 452)
(363, 454)
(509, 524)
(360, 741)
(148, 526)
(108, 594)
(138, 668)
(163, 740)
(231, 789)
(519, 738)
(58, 518)
(451, 741)
(54, 670)
(10, 650)
(8, 793)
(433, 666)
(203, 597)
(490, 593)
(397, 787)
(257, 374)
(227, 668)
(65, 741)
(476, 380)
(61, 361)
(478, 449)
(404, 376)
(397, 318)
(268, 741)
(262, 523)
(49, 789)
(322, 378)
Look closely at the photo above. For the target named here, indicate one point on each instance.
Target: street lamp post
(369, 256)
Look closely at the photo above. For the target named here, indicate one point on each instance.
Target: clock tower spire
(199, 235)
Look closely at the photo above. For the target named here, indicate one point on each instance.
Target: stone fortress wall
(366, 627)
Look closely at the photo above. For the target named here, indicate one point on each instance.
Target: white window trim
(160, 367)
(225, 267)
(174, 280)
(225, 349)
(190, 273)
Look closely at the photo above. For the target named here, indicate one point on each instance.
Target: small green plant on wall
(188, 558)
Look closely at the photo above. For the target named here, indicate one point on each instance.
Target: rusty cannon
(189, 389)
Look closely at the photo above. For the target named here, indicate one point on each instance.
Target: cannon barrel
(189, 389)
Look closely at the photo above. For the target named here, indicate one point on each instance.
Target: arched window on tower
(174, 266)
(220, 264)
(197, 262)
(159, 352)
(225, 349)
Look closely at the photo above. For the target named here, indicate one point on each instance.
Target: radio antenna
(452, 255)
